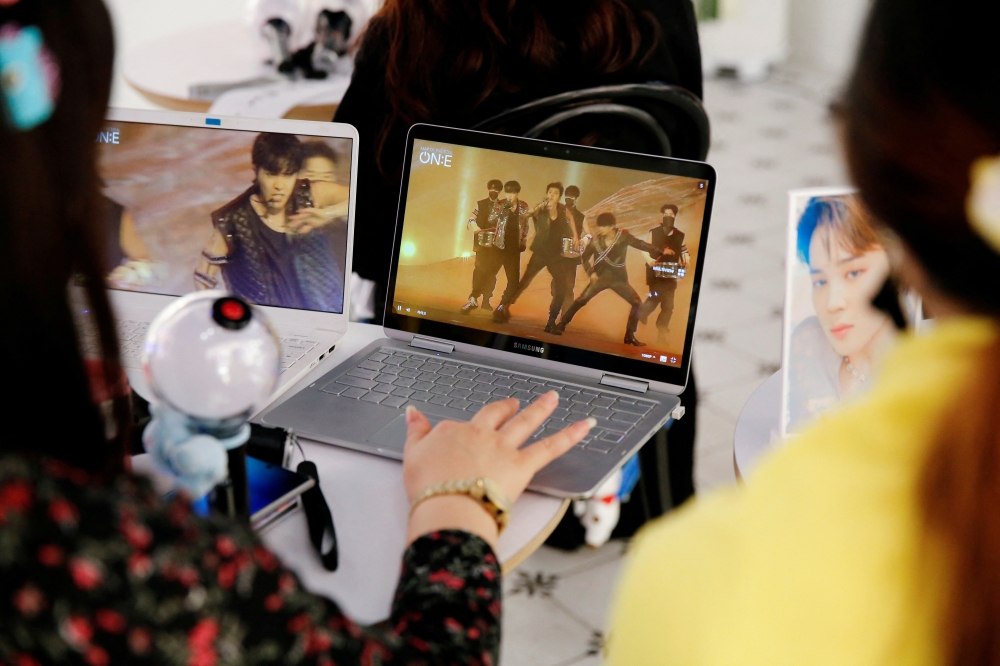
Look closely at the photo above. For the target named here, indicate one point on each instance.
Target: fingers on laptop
(417, 426)
(495, 414)
(520, 428)
(544, 451)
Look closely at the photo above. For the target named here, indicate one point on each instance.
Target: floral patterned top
(103, 571)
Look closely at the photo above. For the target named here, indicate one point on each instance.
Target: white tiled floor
(768, 138)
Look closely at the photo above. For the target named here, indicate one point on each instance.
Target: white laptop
(492, 297)
(258, 207)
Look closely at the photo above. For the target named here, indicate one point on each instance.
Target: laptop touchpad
(392, 436)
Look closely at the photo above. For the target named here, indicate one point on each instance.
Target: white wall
(825, 33)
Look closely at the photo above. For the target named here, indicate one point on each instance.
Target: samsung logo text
(531, 348)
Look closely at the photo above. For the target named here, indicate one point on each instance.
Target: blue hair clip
(28, 77)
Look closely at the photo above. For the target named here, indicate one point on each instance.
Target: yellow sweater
(817, 560)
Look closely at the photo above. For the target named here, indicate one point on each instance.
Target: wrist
(452, 512)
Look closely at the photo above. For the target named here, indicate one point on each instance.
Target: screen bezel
(618, 365)
(290, 317)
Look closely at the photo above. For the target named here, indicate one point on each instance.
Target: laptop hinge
(433, 345)
(625, 383)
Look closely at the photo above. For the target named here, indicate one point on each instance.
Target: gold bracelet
(485, 491)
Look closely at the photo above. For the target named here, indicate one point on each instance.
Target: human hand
(593, 278)
(488, 446)
(685, 259)
(309, 219)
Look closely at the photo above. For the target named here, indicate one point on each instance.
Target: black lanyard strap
(319, 518)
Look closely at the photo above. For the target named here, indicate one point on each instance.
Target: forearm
(446, 609)
(452, 579)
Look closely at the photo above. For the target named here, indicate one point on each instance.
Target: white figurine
(599, 514)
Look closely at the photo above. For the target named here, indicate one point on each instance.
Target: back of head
(445, 58)
(48, 236)
(923, 105)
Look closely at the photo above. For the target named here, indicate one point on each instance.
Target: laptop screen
(592, 258)
(263, 215)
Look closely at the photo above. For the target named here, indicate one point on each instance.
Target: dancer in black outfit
(574, 213)
(551, 226)
(669, 242)
(604, 261)
(510, 241)
(483, 280)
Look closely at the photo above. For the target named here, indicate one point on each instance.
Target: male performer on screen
(574, 213)
(510, 241)
(669, 242)
(604, 261)
(484, 275)
(551, 226)
(252, 245)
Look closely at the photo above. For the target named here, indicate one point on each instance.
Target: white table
(757, 429)
(163, 70)
(365, 494)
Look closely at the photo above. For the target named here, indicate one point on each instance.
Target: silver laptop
(521, 266)
(262, 208)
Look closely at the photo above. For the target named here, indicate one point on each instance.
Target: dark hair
(915, 119)
(573, 191)
(556, 186)
(311, 149)
(494, 185)
(449, 57)
(665, 207)
(277, 153)
(50, 231)
(512, 186)
(850, 223)
(606, 220)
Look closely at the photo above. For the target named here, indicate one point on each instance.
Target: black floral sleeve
(107, 573)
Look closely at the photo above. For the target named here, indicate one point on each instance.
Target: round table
(757, 429)
(370, 511)
(164, 70)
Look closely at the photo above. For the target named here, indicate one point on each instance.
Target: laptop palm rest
(392, 436)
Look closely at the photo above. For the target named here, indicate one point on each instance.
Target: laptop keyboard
(132, 338)
(395, 378)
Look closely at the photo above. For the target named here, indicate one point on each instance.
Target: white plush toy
(600, 513)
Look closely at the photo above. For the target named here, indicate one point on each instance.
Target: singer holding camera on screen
(672, 252)
(484, 275)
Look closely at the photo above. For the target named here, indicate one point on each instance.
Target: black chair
(651, 118)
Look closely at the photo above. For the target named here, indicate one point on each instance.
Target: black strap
(318, 517)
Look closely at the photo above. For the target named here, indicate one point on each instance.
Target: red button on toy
(232, 310)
